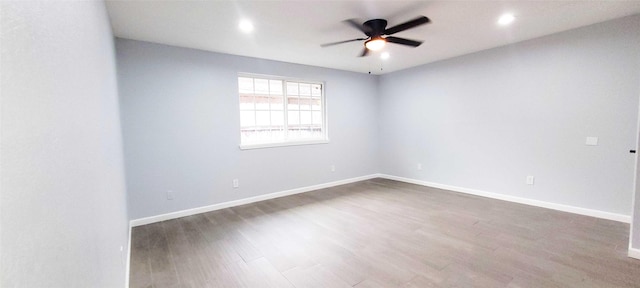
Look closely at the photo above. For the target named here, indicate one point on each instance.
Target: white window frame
(287, 142)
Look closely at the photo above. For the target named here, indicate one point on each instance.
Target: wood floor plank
(369, 284)
(314, 277)
(191, 272)
(422, 282)
(257, 273)
(161, 260)
(383, 233)
(140, 265)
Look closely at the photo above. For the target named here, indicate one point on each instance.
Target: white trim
(634, 253)
(633, 204)
(128, 266)
(283, 144)
(635, 185)
(526, 201)
(277, 77)
(208, 208)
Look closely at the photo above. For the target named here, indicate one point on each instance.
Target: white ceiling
(292, 31)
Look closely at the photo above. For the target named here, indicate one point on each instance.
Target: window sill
(283, 144)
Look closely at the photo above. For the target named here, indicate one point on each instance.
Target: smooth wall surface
(488, 120)
(63, 204)
(181, 129)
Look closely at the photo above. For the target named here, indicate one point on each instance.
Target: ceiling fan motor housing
(374, 27)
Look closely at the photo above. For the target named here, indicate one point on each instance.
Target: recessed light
(245, 26)
(506, 19)
(384, 55)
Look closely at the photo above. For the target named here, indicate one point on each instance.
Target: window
(276, 111)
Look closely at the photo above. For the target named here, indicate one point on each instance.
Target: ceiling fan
(378, 34)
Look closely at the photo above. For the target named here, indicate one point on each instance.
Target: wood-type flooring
(383, 233)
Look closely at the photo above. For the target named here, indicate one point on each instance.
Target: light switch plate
(592, 141)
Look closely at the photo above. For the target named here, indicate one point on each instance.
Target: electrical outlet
(530, 180)
(169, 195)
(236, 183)
(333, 168)
(419, 166)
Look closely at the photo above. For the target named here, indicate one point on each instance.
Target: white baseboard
(526, 201)
(208, 208)
(634, 253)
(537, 203)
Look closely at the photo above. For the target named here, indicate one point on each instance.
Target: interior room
(319, 143)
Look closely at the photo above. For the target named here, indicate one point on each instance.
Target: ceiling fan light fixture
(375, 44)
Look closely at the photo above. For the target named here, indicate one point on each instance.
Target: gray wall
(482, 121)
(487, 120)
(63, 204)
(181, 129)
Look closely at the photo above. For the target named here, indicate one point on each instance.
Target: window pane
(277, 118)
(275, 87)
(263, 135)
(305, 132)
(317, 118)
(247, 119)
(292, 88)
(305, 103)
(278, 133)
(293, 118)
(305, 117)
(315, 103)
(317, 132)
(277, 103)
(293, 133)
(245, 85)
(293, 103)
(247, 136)
(261, 86)
(278, 111)
(246, 102)
(262, 118)
(316, 90)
(305, 89)
(262, 102)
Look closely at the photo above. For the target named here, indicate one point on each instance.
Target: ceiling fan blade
(355, 24)
(340, 42)
(365, 51)
(407, 25)
(403, 41)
